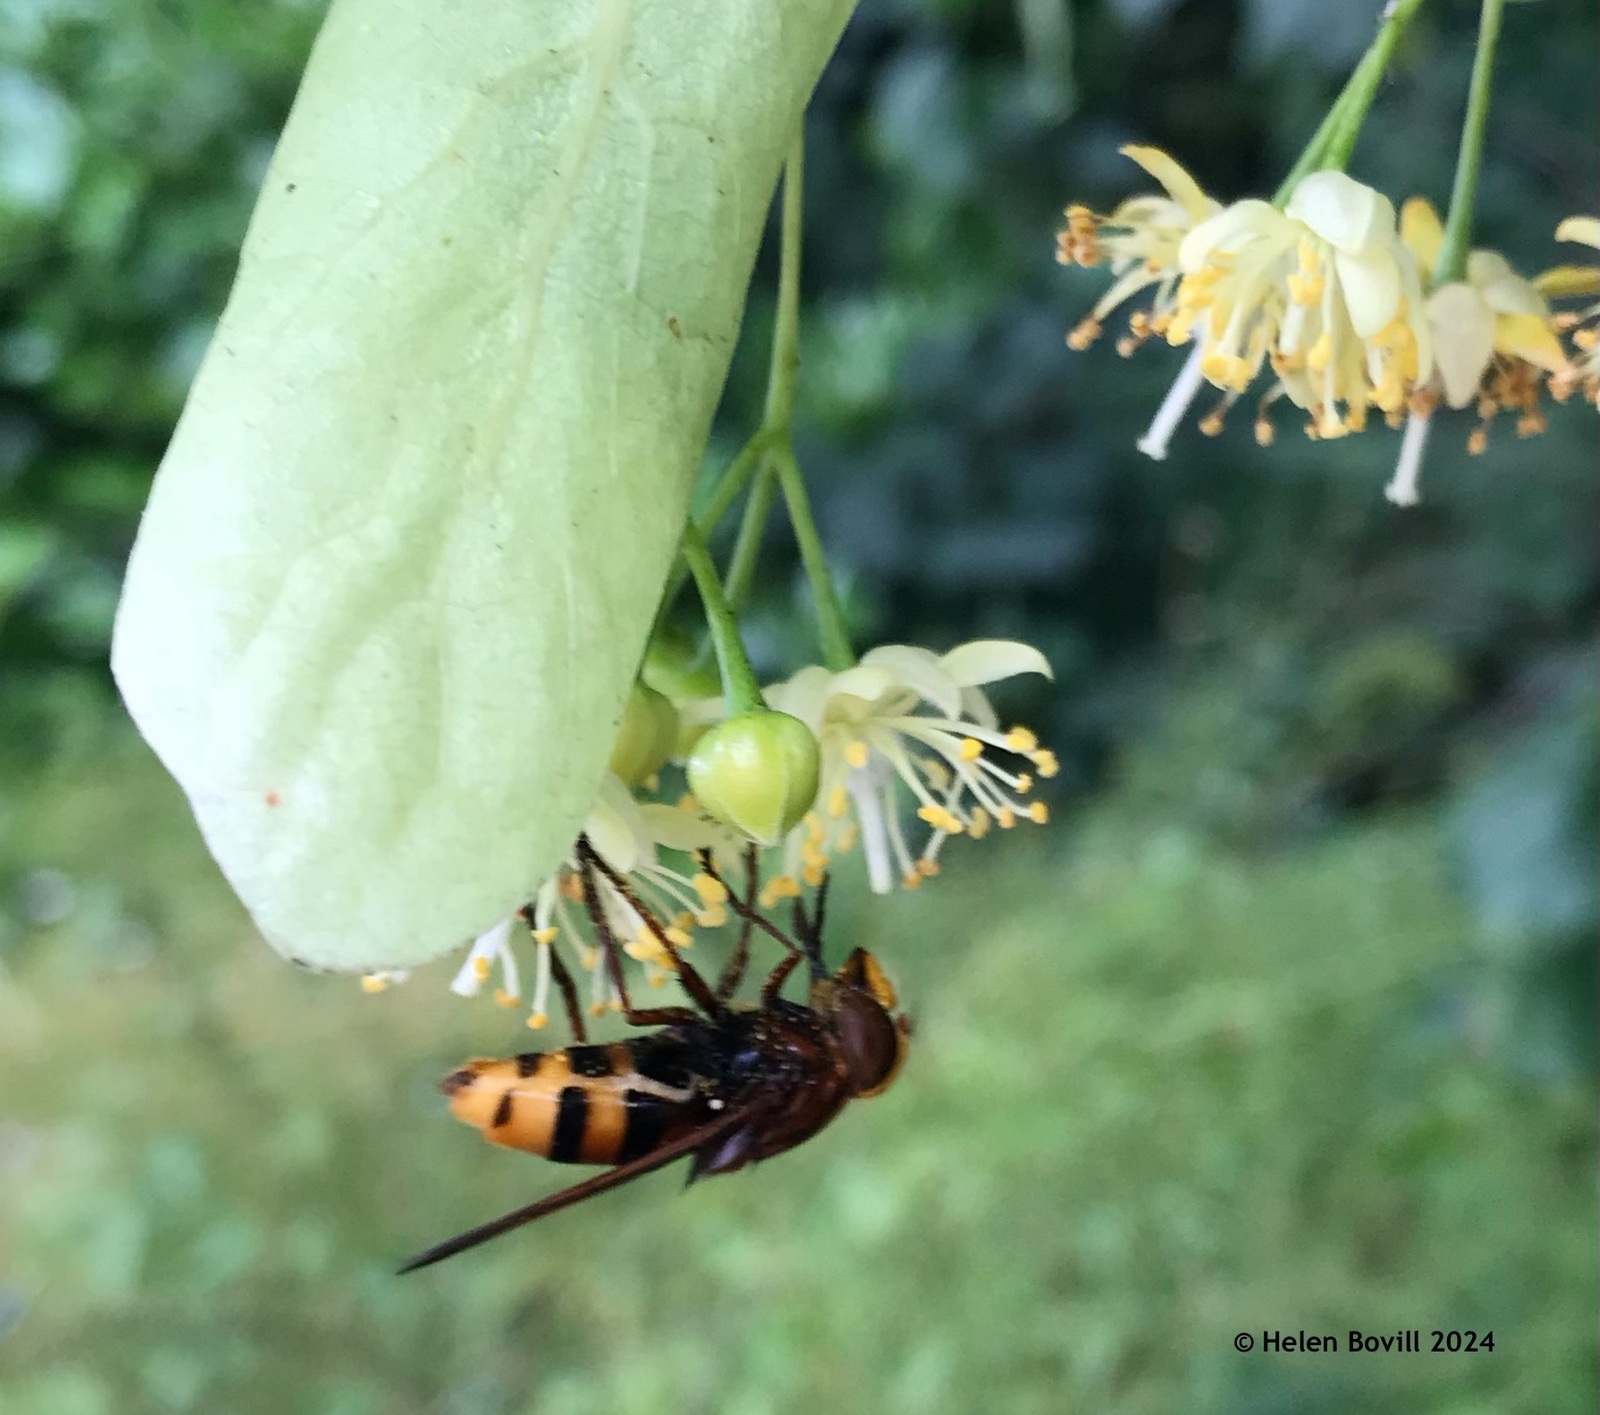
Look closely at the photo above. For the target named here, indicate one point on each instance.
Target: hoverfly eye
(868, 1039)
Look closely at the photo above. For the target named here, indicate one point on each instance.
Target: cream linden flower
(628, 835)
(1324, 291)
(1563, 282)
(1495, 344)
(1140, 242)
(906, 717)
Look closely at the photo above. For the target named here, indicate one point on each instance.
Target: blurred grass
(1160, 1093)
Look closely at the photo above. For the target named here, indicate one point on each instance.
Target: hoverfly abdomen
(582, 1104)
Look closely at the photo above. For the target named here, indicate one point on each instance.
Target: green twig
(747, 548)
(1452, 261)
(831, 630)
(739, 683)
(1332, 143)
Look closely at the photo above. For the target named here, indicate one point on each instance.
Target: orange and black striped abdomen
(584, 1104)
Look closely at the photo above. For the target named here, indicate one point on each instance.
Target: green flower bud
(646, 737)
(757, 772)
(674, 665)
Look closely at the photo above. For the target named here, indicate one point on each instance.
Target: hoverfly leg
(733, 970)
(777, 978)
(589, 864)
(564, 983)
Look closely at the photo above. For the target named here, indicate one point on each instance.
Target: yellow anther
(1477, 440)
(1019, 739)
(683, 919)
(1211, 424)
(595, 1009)
(480, 968)
(910, 880)
(856, 754)
(779, 887)
(1264, 432)
(847, 838)
(971, 749)
(710, 889)
(838, 802)
(570, 888)
(978, 824)
(1038, 812)
(1005, 818)
(689, 802)
(927, 868)
(713, 918)
(588, 955)
(1024, 784)
(815, 830)
(376, 982)
(1319, 353)
(502, 998)
(1305, 289)
(545, 936)
(1306, 254)
(1044, 762)
(538, 1020)
(1083, 334)
(814, 874)
(656, 979)
(679, 939)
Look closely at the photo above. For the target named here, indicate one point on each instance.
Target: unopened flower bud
(675, 666)
(757, 772)
(646, 737)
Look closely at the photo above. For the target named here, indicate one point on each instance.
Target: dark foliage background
(1291, 1019)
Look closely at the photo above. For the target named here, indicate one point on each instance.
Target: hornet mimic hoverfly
(722, 1083)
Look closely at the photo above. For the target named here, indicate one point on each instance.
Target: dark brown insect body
(728, 1086)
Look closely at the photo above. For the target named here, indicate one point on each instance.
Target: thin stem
(1452, 262)
(785, 365)
(1331, 144)
(742, 565)
(735, 476)
(831, 629)
(739, 684)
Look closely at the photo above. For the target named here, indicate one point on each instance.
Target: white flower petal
(976, 707)
(1463, 339)
(920, 670)
(866, 681)
(1224, 231)
(1345, 213)
(1583, 229)
(803, 696)
(675, 829)
(1371, 288)
(1506, 292)
(989, 660)
(1180, 186)
(616, 828)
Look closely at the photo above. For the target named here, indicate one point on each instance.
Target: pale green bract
(400, 562)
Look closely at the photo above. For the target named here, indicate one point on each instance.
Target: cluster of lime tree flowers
(894, 752)
(1327, 296)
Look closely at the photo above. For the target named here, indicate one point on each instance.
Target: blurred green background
(1287, 1022)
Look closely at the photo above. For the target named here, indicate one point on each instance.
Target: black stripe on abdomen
(662, 1059)
(590, 1061)
(572, 1113)
(647, 1120)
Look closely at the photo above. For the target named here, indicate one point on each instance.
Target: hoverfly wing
(709, 1134)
